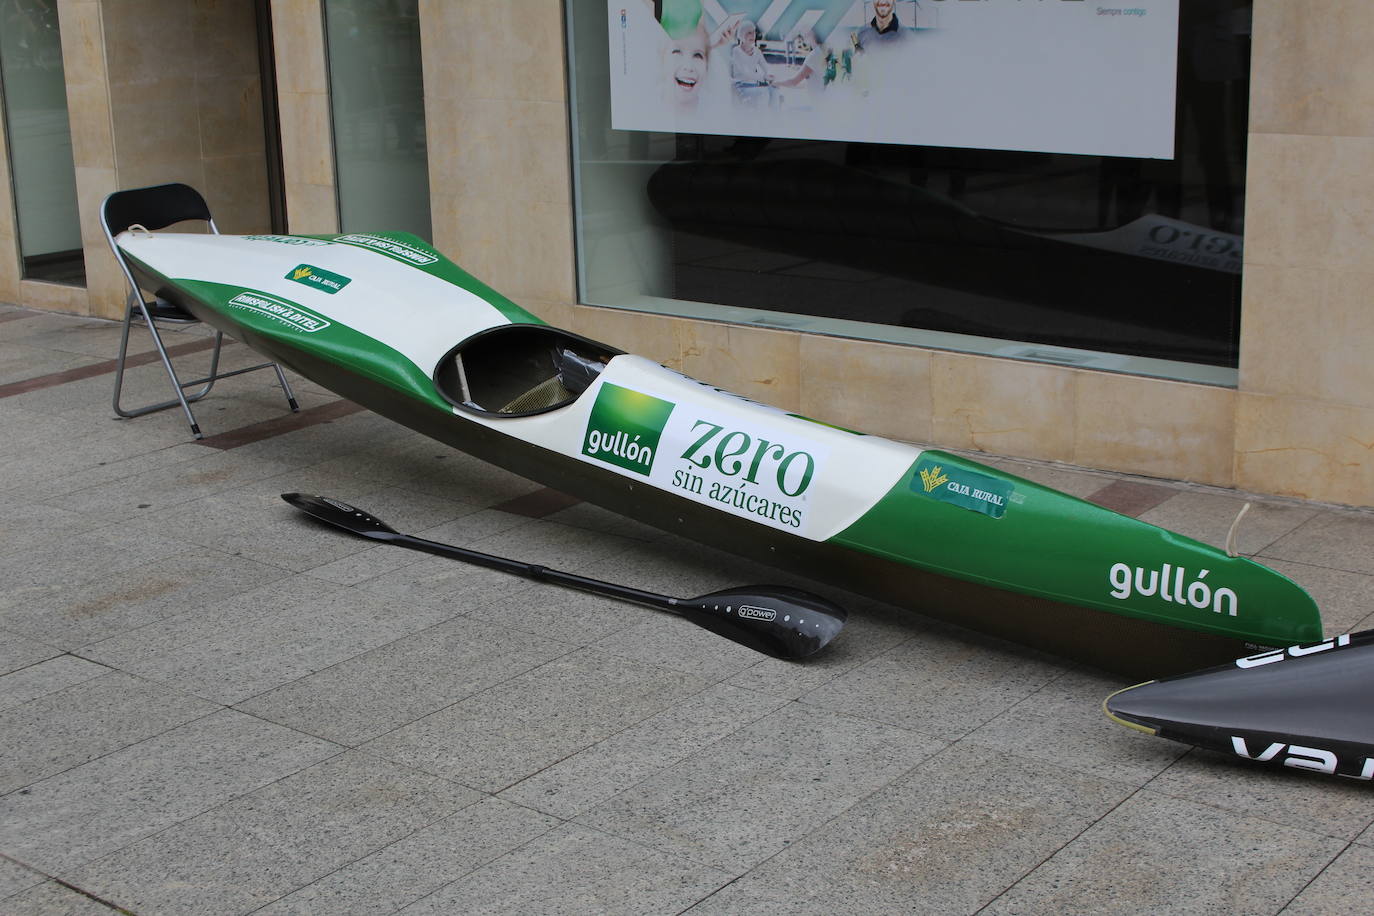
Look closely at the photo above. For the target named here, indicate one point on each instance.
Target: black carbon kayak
(1307, 707)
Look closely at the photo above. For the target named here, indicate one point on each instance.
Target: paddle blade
(782, 622)
(341, 515)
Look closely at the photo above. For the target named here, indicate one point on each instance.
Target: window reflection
(40, 141)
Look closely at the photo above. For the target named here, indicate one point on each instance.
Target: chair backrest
(156, 207)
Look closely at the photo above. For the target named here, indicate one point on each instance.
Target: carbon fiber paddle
(782, 622)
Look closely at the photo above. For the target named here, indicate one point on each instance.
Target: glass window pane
(1102, 261)
(377, 105)
(40, 142)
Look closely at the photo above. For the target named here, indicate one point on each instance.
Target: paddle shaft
(530, 570)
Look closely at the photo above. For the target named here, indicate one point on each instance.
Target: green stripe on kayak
(972, 522)
(416, 252)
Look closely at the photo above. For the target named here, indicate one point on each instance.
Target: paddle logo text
(624, 428)
(1173, 584)
(749, 612)
(965, 489)
(325, 281)
(287, 313)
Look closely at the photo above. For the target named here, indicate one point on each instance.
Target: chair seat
(162, 310)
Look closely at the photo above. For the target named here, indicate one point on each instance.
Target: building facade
(502, 162)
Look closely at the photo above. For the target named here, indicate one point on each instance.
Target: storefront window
(40, 142)
(1057, 181)
(376, 91)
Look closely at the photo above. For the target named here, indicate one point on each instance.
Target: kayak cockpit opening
(520, 369)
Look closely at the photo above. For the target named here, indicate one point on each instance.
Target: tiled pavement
(209, 705)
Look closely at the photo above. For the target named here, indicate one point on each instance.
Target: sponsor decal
(760, 471)
(1278, 655)
(624, 428)
(399, 250)
(749, 612)
(966, 489)
(1300, 757)
(750, 474)
(1167, 584)
(287, 313)
(317, 277)
(288, 240)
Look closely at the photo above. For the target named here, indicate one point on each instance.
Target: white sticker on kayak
(760, 471)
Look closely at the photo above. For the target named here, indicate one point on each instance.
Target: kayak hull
(1305, 707)
(925, 530)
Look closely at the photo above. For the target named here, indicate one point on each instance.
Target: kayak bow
(385, 320)
(1305, 707)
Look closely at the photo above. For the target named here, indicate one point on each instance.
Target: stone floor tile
(1344, 888)
(1207, 516)
(1337, 539)
(97, 716)
(947, 837)
(577, 870)
(498, 737)
(113, 801)
(1063, 724)
(656, 638)
(419, 864)
(589, 777)
(18, 651)
(944, 682)
(247, 648)
(15, 878)
(381, 690)
(1155, 854)
(254, 849)
(1313, 802)
(46, 677)
(52, 899)
(76, 611)
(746, 797)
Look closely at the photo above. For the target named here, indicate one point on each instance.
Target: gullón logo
(624, 428)
(323, 280)
(966, 489)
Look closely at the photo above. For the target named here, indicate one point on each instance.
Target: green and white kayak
(385, 320)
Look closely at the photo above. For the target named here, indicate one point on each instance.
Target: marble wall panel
(1003, 406)
(1306, 449)
(876, 388)
(1154, 427)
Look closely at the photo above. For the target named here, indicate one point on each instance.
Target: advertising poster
(1092, 77)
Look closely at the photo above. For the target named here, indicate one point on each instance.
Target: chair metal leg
(177, 386)
(286, 387)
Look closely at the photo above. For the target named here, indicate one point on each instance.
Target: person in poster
(748, 70)
(884, 31)
(810, 76)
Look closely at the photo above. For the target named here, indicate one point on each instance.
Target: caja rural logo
(324, 280)
(625, 427)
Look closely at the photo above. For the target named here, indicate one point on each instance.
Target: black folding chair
(153, 208)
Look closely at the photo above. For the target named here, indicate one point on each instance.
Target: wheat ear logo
(300, 273)
(933, 477)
